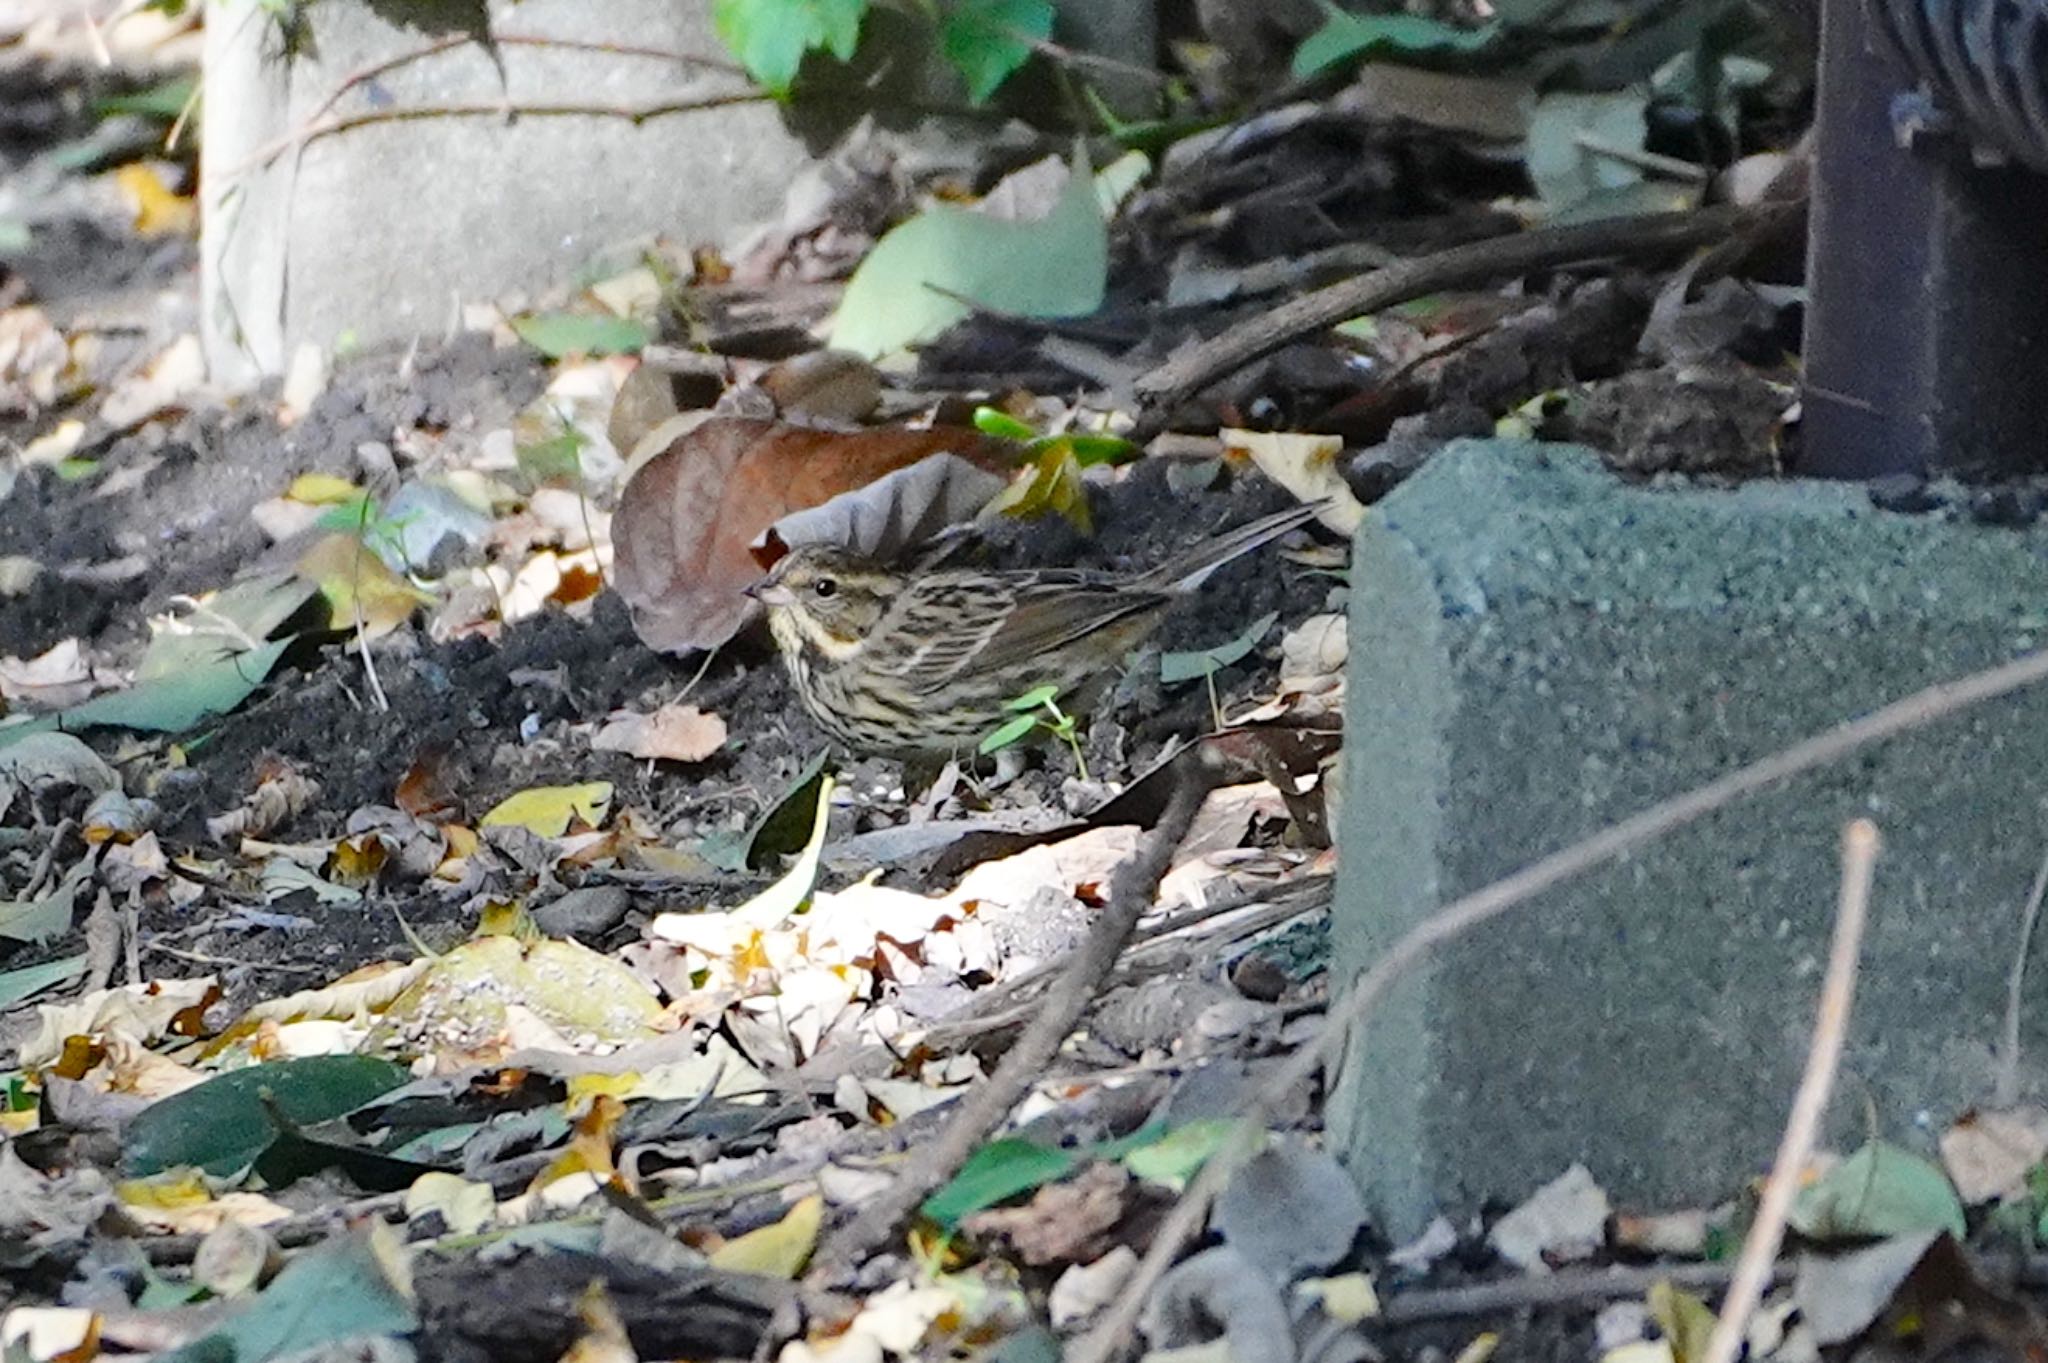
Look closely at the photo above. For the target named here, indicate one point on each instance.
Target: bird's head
(823, 601)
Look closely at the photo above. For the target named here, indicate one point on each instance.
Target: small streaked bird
(922, 663)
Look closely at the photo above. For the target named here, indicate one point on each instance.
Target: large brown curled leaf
(687, 515)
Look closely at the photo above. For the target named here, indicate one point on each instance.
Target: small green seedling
(1087, 449)
(1054, 721)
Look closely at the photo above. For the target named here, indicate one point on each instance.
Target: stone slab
(1538, 650)
(380, 232)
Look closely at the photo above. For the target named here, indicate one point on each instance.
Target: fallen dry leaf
(350, 575)
(1988, 1154)
(32, 355)
(687, 515)
(679, 733)
(165, 380)
(54, 679)
(1306, 465)
(1063, 1222)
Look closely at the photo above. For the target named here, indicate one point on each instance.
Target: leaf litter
(271, 887)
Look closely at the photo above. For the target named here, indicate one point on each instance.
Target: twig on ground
(355, 597)
(202, 958)
(1131, 891)
(2005, 1088)
(1670, 167)
(166, 1251)
(1568, 1287)
(39, 874)
(1313, 892)
(1011, 1004)
(1802, 1127)
(1459, 267)
(1348, 1014)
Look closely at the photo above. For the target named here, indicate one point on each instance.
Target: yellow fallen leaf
(1686, 1322)
(1348, 1297)
(474, 1000)
(53, 446)
(1306, 465)
(1480, 1349)
(349, 573)
(159, 211)
(465, 1207)
(322, 489)
(777, 1251)
(546, 810)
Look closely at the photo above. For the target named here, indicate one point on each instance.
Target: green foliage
(1879, 1191)
(1012, 1166)
(1345, 36)
(1196, 664)
(986, 41)
(30, 980)
(556, 334)
(1086, 449)
(225, 1123)
(1566, 133)
(1054, 721)
(342, 1290)
(996, 1173)
(912, 285)
(770, 37)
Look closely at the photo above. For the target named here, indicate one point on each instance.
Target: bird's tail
(1188, 570)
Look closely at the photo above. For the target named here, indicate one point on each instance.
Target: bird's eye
(825, 586)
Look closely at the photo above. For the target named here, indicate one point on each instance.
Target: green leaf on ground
(31, 980)
(1567, 131)
(991, 421)
(556, 334)
(38, 920)
(345, 1289)
(169, 703)
(1345, 36)
(235, 618)
(174, 702)
(789, 894)
(224, 1124)
(928, 273)
(1879, 1191)
(785, 828)
(987, 40)
(1178, 1155)
(1176, 668)
(996, 1173)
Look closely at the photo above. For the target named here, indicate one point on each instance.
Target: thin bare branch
(1810, 1103)
(2006, 1088)
(1110, 1338)
(1131, 892)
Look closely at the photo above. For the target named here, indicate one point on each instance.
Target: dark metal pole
(1927, 322)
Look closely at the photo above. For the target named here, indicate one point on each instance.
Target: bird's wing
(988, 630)
(1056, 611)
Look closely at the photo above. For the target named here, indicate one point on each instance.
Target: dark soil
(495, 717)
(185, 491)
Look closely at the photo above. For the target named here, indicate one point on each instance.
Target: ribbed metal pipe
(1986, 60)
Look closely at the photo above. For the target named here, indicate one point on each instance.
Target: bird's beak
(771, 593)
